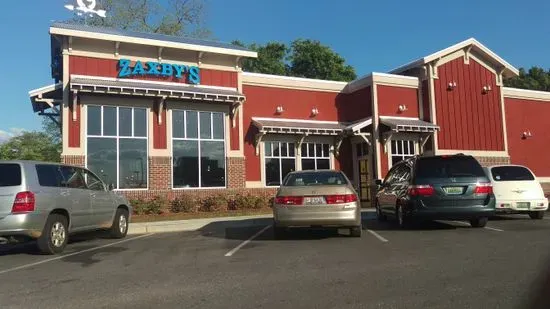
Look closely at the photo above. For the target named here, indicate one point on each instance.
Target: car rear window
(315, 179)
(511, 173)
(10, 175)
(49, 175)
(448, 167)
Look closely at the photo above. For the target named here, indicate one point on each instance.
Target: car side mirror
(378, 182)
(111, 187)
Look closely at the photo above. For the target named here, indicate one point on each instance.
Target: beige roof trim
(382, 79)
(289, 82)
(524, 94)
(45, 89)
(151, 42)
(511, 70)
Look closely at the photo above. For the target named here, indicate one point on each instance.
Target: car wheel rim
(122, 224)
(58, 234)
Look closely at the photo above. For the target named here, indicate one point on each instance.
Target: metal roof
(401, 124)
(297, 126)
(144, 35)
(155, 89)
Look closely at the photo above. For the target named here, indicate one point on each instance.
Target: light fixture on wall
(486, 88)
(279, 109)
(451, 85)
(526, 134)
(402, 108)
(314, 112)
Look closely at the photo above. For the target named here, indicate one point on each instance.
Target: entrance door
(364, 182)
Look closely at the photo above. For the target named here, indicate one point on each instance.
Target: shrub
(244, 202)
(262, 202)
(150, 207)
(214, 203)
(184, 203)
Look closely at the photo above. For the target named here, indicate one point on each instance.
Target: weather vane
(86, 7)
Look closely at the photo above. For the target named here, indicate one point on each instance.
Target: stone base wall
(73, 160)
(235, 172)
(488, 161)
(160, 174)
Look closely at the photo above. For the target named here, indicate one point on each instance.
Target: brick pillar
(235, 172)
(487, 161)
(159, 173)
(73, 160)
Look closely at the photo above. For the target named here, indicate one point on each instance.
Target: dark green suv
(451, 187)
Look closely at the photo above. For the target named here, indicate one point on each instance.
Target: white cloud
(6, 135)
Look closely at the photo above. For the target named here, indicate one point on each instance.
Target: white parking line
(382, 239)
(244, 243)
(71, 254)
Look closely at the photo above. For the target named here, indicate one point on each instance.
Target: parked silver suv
(48, 201)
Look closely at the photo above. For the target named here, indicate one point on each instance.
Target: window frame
(315, 158)
(198, 139)
(404, 141)
(117, 137)
(279, 157)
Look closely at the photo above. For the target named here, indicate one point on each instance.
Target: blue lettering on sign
(159, 69)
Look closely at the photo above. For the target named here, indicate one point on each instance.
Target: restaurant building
(163, 115)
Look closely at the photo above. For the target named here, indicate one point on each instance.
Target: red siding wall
(109, 68)
(262, 102)
(523, 115)
(234, 133)
(74, 125)
(426, 100)
(159, 130)
(390, 97)
(354, 106)
(469, 119)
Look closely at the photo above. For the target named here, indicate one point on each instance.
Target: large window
(279, 161)
(198, 148)
(315, 156)
(117, 145)
(401, 150)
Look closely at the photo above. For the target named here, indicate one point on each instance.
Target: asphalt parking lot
(436, 265)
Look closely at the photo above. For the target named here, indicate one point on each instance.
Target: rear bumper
(511, 206)
(30, 225)
(450, 213)
(295, 217)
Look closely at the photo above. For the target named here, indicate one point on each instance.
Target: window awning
(298, 126)
(357, 126)
(155, 89)
(402, 124)
(46, 97)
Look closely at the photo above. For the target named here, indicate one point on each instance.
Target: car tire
(379, 215)
(119, 229)
(479, 222)
(55, 235)
(355, 231)
(536, 215)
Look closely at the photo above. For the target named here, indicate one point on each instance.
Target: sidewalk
(197, 224)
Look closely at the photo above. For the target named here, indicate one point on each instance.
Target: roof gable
(471, 45)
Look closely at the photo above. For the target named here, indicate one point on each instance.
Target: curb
(197, 224)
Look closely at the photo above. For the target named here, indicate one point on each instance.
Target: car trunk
(453, 192)
(518, 190)
(311, 192)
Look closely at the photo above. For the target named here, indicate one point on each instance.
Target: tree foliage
(534, 79)
(31, 146)
(304, 58)
(172, 17)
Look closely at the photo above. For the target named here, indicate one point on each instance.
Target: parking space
(441, 264)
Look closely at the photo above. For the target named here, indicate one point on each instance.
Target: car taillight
(483, 188)
(340, 198)
(420, 190)
(289, 200)
(24, 202)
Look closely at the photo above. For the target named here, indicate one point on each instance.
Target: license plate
(453, 190)
(522, 205)
(314, 200)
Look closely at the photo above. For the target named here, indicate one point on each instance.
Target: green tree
(304, 58)
(534, 79)
(30, 146)
(311, 59)
(172, 17)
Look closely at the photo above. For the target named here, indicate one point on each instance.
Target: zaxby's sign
(190, 73)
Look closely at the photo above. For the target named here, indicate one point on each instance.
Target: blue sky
(370, 35)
